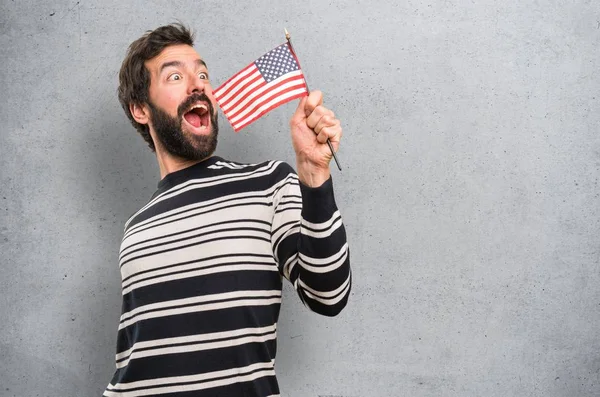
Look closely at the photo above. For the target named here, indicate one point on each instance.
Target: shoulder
(274, 170)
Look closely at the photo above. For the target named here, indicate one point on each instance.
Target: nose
(196, 85)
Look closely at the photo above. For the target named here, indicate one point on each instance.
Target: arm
(310, 246)
(312, 249)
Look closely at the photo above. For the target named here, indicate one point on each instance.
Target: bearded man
(202, 262)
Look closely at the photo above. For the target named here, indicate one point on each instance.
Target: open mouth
(198, 116)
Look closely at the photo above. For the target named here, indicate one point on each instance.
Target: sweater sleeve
(310, 246)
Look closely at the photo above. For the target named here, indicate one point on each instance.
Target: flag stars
(276, 63)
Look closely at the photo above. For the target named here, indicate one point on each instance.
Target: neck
(168, 163)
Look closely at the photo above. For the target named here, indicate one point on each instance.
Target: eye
(203, 75)
(174, 77)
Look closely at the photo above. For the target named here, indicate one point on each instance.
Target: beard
(169, 131)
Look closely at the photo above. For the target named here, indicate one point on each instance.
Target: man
(202, 262)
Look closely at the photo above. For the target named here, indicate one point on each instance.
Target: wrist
(312, 175)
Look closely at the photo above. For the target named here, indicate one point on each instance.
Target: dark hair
(134, 78)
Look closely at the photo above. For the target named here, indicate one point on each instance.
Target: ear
(140, 113)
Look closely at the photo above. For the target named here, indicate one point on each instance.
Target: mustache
(191, 100)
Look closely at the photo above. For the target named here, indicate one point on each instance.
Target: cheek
(209, 93)
(169, 98)
(171, 102)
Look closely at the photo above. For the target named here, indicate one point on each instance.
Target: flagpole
(289, 40)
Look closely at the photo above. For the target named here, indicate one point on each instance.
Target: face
(182, 111)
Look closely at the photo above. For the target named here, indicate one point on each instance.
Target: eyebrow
(165, 65)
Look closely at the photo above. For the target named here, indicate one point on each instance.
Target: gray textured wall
(470, 189)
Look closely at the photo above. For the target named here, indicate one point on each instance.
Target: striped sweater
(202, 265)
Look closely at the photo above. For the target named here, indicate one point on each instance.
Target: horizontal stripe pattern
(194, 323)
(191, 382)
(201, 268)
(218, 181)
(201, 303)
(215, 340)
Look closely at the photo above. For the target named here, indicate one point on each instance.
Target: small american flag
(270, 81)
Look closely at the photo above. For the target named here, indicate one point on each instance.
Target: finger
(333, 133)
(325, 121)
(322, 137)
(317, 116)
(315, 98)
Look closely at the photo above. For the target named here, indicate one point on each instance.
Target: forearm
(322, 274)
(310, 245)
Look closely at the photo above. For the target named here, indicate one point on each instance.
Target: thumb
(314, 99)
(300, 114)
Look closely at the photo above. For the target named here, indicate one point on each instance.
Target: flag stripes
(270, 81)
